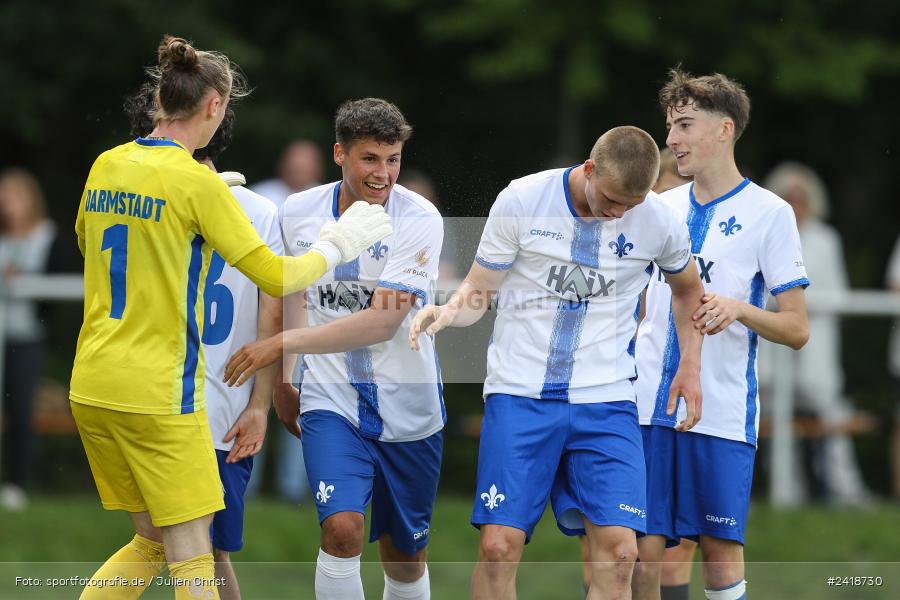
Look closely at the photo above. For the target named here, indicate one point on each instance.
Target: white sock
(417, 590)
(338, 578)
(737, 591)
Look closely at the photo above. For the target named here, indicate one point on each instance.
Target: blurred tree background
(495, 89)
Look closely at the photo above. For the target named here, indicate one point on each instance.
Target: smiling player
(372, 409)
(746, 243)
(569, 251)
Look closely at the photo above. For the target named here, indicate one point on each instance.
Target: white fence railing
(868, 303)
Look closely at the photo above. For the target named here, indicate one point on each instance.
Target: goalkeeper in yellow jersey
(149, 219)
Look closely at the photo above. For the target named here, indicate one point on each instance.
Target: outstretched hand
(248, 433)
(251, 358)
(429, 319)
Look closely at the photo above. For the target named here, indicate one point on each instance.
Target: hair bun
(177, 53)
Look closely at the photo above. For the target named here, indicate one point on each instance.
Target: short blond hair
(629, 156)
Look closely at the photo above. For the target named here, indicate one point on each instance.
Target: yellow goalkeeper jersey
(149, 218)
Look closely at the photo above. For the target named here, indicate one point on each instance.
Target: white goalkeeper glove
(359, 227)
(233, 178)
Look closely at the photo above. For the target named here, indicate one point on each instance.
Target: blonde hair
(629, 156)
(791, 173)
(184, 75)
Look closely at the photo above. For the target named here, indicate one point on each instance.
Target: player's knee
(651, 553)
(499, 548)
(144, 527)
(624, 551)
(342, 534)
(721, 551)
(150, 532)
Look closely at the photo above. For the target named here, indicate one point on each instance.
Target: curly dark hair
(716, 93)
(370, 118)
(220, 140)
(140, 109)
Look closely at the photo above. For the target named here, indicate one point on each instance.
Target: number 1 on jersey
(115, 239)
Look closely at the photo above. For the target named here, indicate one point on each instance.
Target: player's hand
(686, 384)
(251, 358)
(359, 227)
(287, 406)
(248, 433)
(716, 313)
(429, 319)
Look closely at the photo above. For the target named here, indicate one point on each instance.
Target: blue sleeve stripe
(491, 265)
(790, 284)
(403, 288)
(677, 271)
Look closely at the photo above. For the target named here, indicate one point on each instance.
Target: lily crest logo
(378, 250)
(492, 498)
(621, 246)
(324, 493)
(730, 227)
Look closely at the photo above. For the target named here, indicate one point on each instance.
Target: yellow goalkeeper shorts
(162, 464)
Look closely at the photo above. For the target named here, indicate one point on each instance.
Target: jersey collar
(337, 194)
(721, 198)
(334, 201)
(565, 184)
(155, 141)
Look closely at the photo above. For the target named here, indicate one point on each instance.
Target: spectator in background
(27, 246)
(819, 378)
(893, 282)
(299, 168)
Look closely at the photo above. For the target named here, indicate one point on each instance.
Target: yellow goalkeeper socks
(195, 578)
(128, 572)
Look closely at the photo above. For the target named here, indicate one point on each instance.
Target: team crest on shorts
(324, 493)
(492, 498)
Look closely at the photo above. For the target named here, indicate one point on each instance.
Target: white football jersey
(747, 247)
(566, 309)
(231, 306)
(390, 392)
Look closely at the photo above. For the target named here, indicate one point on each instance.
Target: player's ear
(727, 129)
(213, 105)
(339, 154)
(588, 167)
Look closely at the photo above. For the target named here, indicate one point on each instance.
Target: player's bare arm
(286, 400)
(365, 328)
(788, 326)
(465, 307)
(249, 431)
(687, 294)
